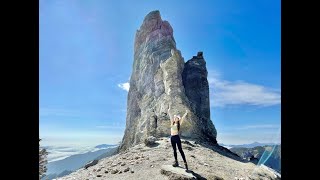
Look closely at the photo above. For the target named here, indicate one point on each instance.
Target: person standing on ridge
(176, 121)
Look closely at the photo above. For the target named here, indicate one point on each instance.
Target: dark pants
(175, 140)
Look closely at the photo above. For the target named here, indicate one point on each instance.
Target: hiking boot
(175, 164)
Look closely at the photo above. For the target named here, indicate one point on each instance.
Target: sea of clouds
(61, 152)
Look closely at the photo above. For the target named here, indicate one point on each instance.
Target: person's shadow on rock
(198, 176)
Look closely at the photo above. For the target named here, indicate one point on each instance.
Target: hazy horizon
(62, 148)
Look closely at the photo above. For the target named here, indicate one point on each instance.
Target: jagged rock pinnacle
(157, 81)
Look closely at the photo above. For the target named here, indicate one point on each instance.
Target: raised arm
(183, 117)
(170, 115)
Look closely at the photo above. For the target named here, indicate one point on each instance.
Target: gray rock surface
(114, 171)
(176, 172)
(156, 81)
(150, 141)
(196, 86)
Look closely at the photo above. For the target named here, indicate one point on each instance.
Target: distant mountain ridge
(273, 161)
(104, 145)
(251, 145)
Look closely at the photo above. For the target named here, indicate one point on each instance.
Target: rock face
(194, 78)
(161, 77)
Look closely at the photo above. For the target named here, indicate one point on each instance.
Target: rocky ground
(144, 162)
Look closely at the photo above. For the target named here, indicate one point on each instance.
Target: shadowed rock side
(196, 86)
(156, 82)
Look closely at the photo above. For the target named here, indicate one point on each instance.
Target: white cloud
(61, 152)
(239, 92)
(225, 92)
(74, 137)
(124, 86)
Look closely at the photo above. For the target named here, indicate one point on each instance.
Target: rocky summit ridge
(154, 162)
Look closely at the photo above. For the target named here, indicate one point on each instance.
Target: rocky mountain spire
(160, 77)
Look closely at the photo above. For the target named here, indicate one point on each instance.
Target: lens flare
(266, 154)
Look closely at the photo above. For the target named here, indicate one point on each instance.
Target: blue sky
(86, 57)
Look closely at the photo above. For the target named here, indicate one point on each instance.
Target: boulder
(91, 163)
(150, 141)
